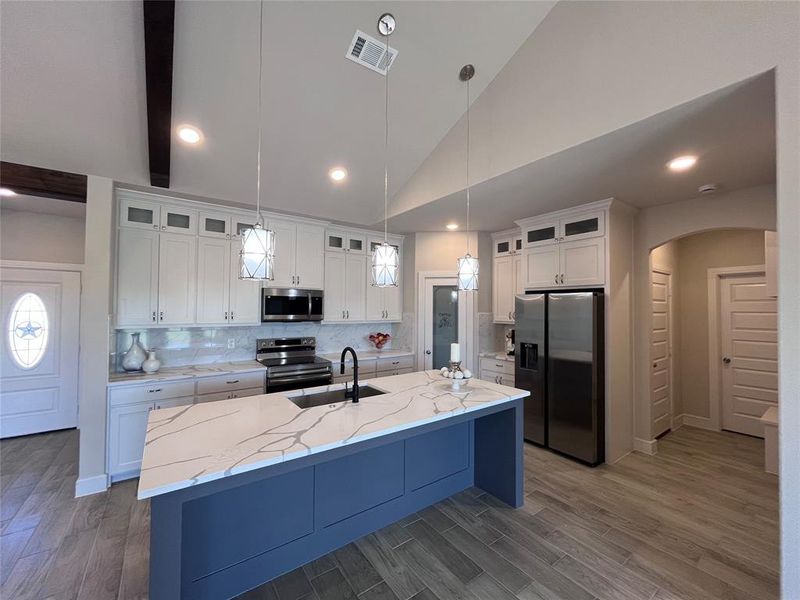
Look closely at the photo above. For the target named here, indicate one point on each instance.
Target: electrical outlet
(231, 343)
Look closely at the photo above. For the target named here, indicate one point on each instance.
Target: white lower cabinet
(127, 426)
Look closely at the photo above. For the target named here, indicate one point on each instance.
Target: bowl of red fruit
(379, 340)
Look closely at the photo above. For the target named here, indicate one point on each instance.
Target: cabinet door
(503, 246)
(245, 295)
(583, 262)
(215, 225)
(356, 243)
(335, 287)
(127, 426)
(175, 219)
(285, 235)
(375, 298)
(356, 287)
(519, 276)
(335, 241)
(393, 300)
(310, 269)
(139, 214)
(213, 280)
(543, 233)
(503, 289)
(583, 226)
(137, 277)
(541, 267)
(177, 296)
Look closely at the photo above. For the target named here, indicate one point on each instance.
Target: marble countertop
(497, 356)
(187, 372)
(364, 355)
(191, 445)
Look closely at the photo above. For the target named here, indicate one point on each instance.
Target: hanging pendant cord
(386, 151)
(260, 69)
(468, 166)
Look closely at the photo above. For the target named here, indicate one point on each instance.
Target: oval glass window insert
(28, 330)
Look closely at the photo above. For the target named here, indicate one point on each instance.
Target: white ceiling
(47, 206)
(732, 131)
(77, 102)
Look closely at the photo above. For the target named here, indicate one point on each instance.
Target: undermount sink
(332, 397)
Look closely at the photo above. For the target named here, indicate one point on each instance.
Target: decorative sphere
(458, 375)
(443, 371)
(467, 373)
(449, 375)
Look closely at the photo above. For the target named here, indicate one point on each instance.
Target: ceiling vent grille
(371, 53)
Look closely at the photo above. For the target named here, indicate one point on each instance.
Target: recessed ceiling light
(682, 163)
(7, 192)
(452, 226)
(189, 134)
(337, 173)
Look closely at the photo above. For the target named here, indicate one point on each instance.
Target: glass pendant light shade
(257, 253)
(468, 273)
(385, 265)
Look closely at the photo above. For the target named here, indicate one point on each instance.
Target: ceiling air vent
(371, 53)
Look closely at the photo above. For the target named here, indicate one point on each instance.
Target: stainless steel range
(292, 363)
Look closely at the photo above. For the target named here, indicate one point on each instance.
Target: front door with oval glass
(39, 361)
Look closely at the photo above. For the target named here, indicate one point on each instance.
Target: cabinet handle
(163, 228)
(155, 226)
(161, 315)
(348, 313)
(495, 379)
(154, 316)
(562, 278)
(226, 315)
(395, 362)
(556, 279)
(227, 236)
(343, 314)
(233, 381)
(151, 390)
(231, 315)
(298, 280)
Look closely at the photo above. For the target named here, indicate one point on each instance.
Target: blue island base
(222, 538)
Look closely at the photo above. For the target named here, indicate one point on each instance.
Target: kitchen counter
(245, 490)
(185, 372)
(497, 356)
(190, 445)
(365, 355)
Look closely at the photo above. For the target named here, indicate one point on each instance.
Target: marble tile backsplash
(202, 345)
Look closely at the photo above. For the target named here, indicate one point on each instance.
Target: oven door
(285, 305)
(297, 382)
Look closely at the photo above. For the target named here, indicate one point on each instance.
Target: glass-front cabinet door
(215, 225)
(539, 234)
(139, 214)
(582, 226)
(178, 220)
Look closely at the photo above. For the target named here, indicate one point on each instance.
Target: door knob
(726, 360)
(427, 351)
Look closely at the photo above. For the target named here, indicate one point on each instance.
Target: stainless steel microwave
(291, 304)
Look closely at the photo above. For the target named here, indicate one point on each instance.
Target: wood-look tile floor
(697, 521)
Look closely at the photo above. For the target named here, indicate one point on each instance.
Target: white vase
(134, 357)
(152, 364)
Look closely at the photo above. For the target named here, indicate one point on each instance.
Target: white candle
(455, 353)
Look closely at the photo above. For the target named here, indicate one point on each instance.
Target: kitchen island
(247, 489)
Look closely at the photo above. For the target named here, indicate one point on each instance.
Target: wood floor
(697, 521)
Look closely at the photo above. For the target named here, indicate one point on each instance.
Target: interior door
(445, 321)
(39, 362)
(177, 279)
(213, 277)
(661, 353)
(748, 318)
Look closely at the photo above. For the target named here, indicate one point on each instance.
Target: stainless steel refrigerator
(559, 359)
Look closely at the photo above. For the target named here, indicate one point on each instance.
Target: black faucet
(352, 393)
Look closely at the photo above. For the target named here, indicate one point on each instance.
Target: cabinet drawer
(173, 402)
(395, 372)
(392, 364)
(495, 377)
(365, 368)
(234, 381)
(150, 392)
(501, 367)
(229, 395)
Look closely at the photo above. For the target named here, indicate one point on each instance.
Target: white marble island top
(190, 445)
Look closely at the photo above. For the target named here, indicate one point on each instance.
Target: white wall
(95, 311)
(41, 237)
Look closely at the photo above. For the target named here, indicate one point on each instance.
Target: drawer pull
(500, 365)
(395, 362)
(151, 390)
(233, 381)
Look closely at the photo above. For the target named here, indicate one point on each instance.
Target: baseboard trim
(677, 422)
(645, 446)
(91, 485)
(699, 422)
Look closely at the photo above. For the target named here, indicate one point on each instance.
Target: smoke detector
(365, 50)
(708, 188)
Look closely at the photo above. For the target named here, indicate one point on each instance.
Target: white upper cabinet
(382, 303)
(137, 277)
(213, 280)
(355, 292)
(335, 306)
(340, 240)
(176, 219)
(566, 248)
(298, 254)
(216, 225)
(503, 289)
(140, 214)
(507, 245)
(244, 306)
(177, 268)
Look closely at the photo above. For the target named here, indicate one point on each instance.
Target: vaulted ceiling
(74, 94)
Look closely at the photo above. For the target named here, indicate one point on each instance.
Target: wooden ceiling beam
(159, 36)
(35, 181)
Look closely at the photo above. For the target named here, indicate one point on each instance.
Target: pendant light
(257, 256)
(467, 264)
(385, 260)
